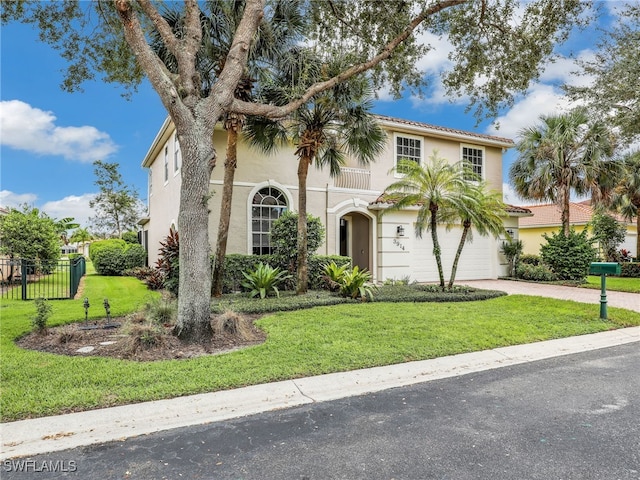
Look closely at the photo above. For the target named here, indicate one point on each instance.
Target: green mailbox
(605, 268)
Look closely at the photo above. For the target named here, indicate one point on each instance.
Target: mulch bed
(120, 343)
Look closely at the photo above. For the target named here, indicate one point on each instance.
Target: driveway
(630, 301)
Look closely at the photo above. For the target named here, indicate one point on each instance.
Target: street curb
(50, 434)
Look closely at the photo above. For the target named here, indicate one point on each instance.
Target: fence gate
(30, 279)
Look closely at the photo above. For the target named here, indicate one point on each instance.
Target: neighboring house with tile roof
(265, 186)
(547, 219)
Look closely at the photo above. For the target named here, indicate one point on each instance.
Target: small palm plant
(263, 280)
(356, 283)
(333, 275)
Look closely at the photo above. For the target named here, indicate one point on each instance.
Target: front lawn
(618, 284)
(300, 343)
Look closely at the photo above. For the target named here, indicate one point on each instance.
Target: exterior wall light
(400, 231)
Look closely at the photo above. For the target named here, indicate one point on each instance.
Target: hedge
(235, 264)
(630, 269)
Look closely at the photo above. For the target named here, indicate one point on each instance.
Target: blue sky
(49, 138)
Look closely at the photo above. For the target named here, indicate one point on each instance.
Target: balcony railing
(354, 178)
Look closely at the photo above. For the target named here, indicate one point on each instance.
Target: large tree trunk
(194, 311)
(463, 239)
(303, 267)
(433, 208)
(225, 209)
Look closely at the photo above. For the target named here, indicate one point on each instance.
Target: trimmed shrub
(630, 269)
(131, 237)
(236, 263)
(568, 256)
(117, 256)
(284, 238)
(135, 256)
(535, 273)
(104, 244)
(432, 293)
(109, 260)
(529, 259)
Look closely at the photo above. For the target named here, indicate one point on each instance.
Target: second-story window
(150, 181)
(166, 163)
(473, 159)
(177, 156)
(407, 148)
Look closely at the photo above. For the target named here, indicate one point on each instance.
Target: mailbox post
(603, 269)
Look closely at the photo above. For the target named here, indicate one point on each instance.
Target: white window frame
(177, 154)
(283, 208)
(150, 181)
(166, 164)
(270, 183)
(483, 165)
(419, 158)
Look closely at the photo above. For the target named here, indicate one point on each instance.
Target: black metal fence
(30, 279)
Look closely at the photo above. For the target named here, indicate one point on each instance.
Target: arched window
(267, 206)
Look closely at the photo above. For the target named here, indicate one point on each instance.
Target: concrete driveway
(630, 301)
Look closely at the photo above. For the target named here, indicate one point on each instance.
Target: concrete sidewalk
(630, 301)
(50, 434)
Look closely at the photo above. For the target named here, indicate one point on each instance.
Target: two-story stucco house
(265, 186)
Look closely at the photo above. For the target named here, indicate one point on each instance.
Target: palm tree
(564, 153)
(626, 195)
(480, 209)
(276, 34)
(335, 124)
(81, 236)
(435, 187)
(63, 226)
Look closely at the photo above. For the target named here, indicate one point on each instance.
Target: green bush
(334, 274)
(529, 259)
(264, 280)
(131, 237)
(432, 293)
(284, 238)
(109, 260)
(104, 244)
(535, 273)
(43, 312)
(630, 269)
(568, 256)
(235, 264)
(116, 256)
(135, 256)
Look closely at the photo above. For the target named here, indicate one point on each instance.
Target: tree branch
(276, 112)
(155, 70)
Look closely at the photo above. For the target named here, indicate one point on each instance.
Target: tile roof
(446, 130)
(550, 214)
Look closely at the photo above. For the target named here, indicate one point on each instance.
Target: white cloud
(512, 198)
(564, 70)
(539, 100)
(76, 207)
(15, 200)
(33, 130)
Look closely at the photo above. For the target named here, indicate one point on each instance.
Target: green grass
(300, 343)
(618, 284)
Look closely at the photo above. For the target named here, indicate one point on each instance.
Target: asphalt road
(570, 417)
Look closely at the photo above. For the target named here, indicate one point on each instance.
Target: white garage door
(476, 261)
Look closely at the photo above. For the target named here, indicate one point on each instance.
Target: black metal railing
(22, 279)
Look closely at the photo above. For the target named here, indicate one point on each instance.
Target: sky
(49, 138)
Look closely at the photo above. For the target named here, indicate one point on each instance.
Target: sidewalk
(630, 301)
(51, 434)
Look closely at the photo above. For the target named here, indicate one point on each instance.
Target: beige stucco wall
(324, 199)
